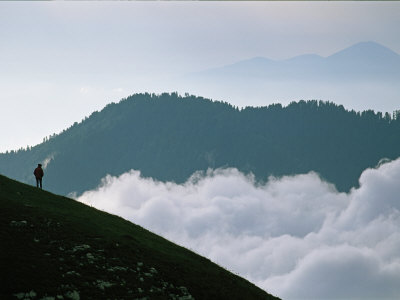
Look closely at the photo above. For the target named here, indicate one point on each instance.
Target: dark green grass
(55, 246)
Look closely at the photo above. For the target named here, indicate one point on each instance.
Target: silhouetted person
(39, 175)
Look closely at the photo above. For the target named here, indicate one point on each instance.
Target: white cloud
(47, 160)
(294, 236)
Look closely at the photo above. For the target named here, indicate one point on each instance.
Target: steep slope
(52, 246)
(169, 137)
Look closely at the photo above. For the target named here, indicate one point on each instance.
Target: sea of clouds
(295, 236)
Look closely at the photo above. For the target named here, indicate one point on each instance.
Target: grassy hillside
(52, 246)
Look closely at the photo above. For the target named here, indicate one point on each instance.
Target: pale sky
(60, 61)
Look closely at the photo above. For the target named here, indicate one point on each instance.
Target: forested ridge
(169, 137)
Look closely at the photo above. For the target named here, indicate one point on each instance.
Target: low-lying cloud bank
(295, 236)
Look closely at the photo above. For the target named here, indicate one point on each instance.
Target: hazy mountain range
(363, 61)
(364, 75)
(169, 137)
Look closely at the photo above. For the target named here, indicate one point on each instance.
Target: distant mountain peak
(366, 50)
(369, 44)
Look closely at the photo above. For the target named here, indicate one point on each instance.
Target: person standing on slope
(39, 175)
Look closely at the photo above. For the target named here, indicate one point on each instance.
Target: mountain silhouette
(169, 137)
(356, 77)
(364, 60)
(366, 52)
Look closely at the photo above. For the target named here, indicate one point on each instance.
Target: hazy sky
(61, 61)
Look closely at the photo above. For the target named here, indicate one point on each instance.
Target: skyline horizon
(183, 94)
(313, 53)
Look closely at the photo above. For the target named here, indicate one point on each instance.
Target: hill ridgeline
(169, 137)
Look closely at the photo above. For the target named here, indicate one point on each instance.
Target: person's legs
(39, 182)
